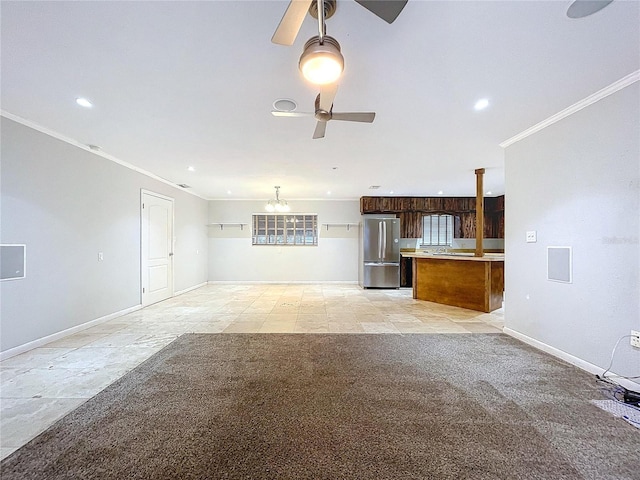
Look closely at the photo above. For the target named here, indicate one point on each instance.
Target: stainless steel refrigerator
(380, 253)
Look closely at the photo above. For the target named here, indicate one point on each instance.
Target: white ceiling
(179, 84)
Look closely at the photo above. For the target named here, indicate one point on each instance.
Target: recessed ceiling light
(83, 102)
(481, 104)
(440, 192)
(191, 169)
(489, 193)
(391, 192)
(228, 192)
(329, 192)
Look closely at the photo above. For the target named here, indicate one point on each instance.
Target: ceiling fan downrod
(322, 10)
(321, 26)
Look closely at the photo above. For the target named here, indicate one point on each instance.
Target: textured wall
(67, 205)
(577, 183)
(233, 258)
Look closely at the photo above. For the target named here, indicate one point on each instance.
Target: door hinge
(143, 205)
(142, 289)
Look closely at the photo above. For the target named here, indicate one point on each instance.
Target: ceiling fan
(324, 111)
(287, 30)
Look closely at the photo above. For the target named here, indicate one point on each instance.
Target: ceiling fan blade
(277, 113)
(321, 127)
(388, 10)
(291, 22)
(327, 94)
(366, 117)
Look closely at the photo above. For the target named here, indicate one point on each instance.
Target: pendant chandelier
(276, 204)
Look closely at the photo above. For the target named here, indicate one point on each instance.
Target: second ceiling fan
(324, 112)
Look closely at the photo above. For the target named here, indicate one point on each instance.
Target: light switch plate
(532, 236)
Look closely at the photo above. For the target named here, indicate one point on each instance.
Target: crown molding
(106, 156)
(576, 107)
(289, 199)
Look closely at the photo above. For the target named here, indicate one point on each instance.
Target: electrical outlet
(532, 236)
(635, 339)
(100, 256)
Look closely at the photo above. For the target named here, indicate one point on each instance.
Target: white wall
(233, 258)
(577, 183)
(67, 205)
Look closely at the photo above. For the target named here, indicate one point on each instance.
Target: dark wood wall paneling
(410, 210)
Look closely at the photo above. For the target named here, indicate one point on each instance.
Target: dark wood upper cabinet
(410, 224)
(410, 210)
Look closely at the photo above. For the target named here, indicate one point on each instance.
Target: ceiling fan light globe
(269, 207)
(321, 69)
(322, 63)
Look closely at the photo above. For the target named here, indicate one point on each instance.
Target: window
(437, 230)
(285, 229)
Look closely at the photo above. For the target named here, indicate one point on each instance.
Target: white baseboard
(567, 357)
(175, 294)
(12, 352)
(281, 282)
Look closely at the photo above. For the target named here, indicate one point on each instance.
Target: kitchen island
(459, 279)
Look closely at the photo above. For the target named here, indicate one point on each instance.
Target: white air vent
(183, 185)
(559, 264)
(374, 187)
(13, 260)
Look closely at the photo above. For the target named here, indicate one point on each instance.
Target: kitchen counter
(488, 257)
(459, 279)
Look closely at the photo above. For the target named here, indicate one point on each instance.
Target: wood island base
(476, 283)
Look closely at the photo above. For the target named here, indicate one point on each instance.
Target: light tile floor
(40, 386)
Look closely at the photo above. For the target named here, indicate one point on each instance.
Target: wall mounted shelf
(228, 224)
(348, 225)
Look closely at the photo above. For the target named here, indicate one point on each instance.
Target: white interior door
(157, 247)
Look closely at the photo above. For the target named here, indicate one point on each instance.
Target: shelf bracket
(348, 225)
(241, 225)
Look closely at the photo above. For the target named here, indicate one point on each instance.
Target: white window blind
(437, 230)
(285, 229)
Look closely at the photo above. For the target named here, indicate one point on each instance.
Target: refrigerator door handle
(384, 236)
(379, 241)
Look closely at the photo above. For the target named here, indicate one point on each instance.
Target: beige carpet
(278, 406)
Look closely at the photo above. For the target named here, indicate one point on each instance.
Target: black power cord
(632, 398)
(617, 391)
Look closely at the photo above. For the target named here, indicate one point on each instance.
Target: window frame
(283, 229)
(435, 229)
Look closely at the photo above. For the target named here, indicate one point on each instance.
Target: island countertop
(488, 257)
